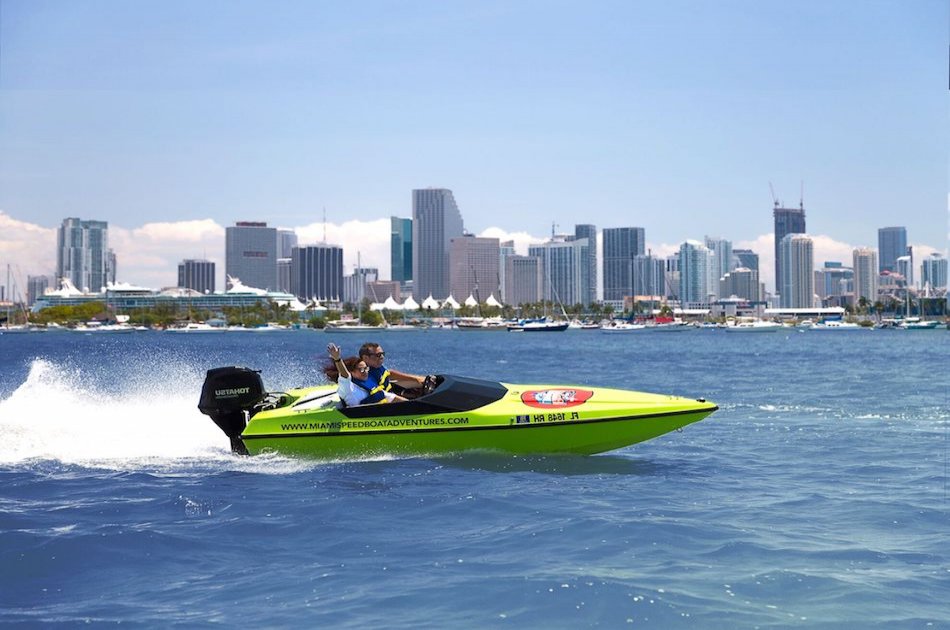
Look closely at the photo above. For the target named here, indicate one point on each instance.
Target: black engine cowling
(228, 394)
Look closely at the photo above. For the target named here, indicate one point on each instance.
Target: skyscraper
(905, 267)
(694, 261)
(83, 256)
(197, 275)
(401, 249)
(250, 250)
(522, 280)
(933, 272)
(36, 286)
(286, 241)
(473, 267)
(436, 220)
(649, 275)
(865, 274)
(564, 271)
(891, 244)
(787, 221)
(621, 246)
(745, 258)
(317, 271)
(721, 261)
(797, 287)
(742, 283)
(833, 281)
(589, 232)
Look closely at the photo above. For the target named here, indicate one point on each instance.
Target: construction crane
(772, 190)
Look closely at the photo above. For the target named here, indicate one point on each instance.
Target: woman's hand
(333, 350)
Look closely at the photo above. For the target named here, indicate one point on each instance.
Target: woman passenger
(350, 376)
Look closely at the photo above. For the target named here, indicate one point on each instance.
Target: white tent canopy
(411, 305)
(491, 301)
(451, 303)
(392, 304)
(430, 302)
(471, 301)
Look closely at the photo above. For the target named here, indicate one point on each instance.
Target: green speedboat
(453, 414)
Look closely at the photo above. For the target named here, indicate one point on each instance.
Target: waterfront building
(125, 299)
(741, 283)
(797, 287)
(250, 254)
(83, 256)
(473, 267)
(721, 261)
(36, 286)
(565, 269)
(865, 274)
(522, 280)
(671, 276)
(745, 258)
(589, 264)
(505, 249)
(891, 244)
(355, 284)
(649, 275)
(400, 246)
(832, 282)
(933, 272)
(436, 220)
(316, 271)
(621, 246)
(286, 241)
(377, 291)
(905, 267)
(694, 262)
(283, 274)
(197, 275)
(787, 221)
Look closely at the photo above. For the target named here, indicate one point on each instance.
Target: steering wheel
(428, 385)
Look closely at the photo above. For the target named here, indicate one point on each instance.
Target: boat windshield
(451, 394)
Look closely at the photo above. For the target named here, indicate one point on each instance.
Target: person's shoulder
(377, 371)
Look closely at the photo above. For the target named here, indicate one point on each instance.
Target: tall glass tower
(401, 249)
(694, 263)
(621, 246)
(797, 288)
(436, 220)
(316, 271)
(83, 256)
(787, 221)
(589, 232)
(891, 245)
(250, 250)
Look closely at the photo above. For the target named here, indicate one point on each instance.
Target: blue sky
(672, 116)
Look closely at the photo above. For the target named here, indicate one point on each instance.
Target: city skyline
(376, 249)
(676, 117)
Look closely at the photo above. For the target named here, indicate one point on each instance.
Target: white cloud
(522, 240)
(149, 255)
(30, 250)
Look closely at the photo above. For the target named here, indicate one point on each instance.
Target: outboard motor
(227, 396)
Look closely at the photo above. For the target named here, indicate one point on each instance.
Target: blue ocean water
(817, 497)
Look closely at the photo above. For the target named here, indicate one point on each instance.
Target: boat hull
(535, 419)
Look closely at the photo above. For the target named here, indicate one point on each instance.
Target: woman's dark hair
(329, 369)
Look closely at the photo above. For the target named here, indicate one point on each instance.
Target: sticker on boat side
(559, 398)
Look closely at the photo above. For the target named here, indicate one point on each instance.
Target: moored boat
(757, 326)
(453, 414)
(538, 325)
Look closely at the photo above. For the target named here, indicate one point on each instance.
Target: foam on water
(56, 415)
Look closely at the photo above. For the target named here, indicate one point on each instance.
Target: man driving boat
(372, 354)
